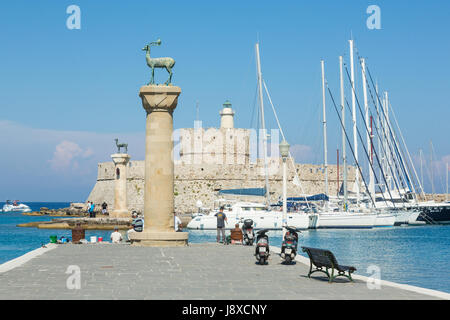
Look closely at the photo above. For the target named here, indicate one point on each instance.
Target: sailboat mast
(355, 140)
(377, 126)
(263, 126)
(421, 171)
(368, 135)
(431, 168)
(446, 192)
(344, 156)
(387, 162)
(325, 148)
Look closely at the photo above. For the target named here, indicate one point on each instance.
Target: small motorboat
(15, 206)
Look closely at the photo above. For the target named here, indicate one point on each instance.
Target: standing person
(221, 219)
(104, 208)
(88, 208)
(91, 210)
(177, 223)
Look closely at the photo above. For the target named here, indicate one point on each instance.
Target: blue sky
(66, 94)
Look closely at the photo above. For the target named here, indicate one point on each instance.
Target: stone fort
(215, 159)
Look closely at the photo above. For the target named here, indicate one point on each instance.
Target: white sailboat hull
(346, 220)
(406, 217)
(266, 220)
(384, 220)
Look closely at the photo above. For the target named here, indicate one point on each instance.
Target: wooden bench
(321, 258)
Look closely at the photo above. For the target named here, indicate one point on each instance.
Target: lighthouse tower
(227, 116)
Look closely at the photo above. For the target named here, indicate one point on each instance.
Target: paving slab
(200, 271)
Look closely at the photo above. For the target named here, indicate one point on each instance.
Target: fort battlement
(203, 182)
(215, 159)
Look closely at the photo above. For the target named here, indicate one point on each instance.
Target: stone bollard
(120, 186)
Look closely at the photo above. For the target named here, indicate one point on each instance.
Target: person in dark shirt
(104, 208)
(221, 219)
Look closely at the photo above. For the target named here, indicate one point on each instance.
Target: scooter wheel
(262, 261)
(288, 259)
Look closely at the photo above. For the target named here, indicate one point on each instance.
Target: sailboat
(340, 218)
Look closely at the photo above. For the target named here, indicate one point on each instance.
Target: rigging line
(367, 155)
(389, 144)
(407, 170)
(367, 129)
(407, 151)
(384, 135)
(404, 171)
(348, 141)
(399, 157)
(284, 138)
(435, 157)
(384, 114)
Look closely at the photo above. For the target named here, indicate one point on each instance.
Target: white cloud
(56, 164)
(66, 155)
(302, 153)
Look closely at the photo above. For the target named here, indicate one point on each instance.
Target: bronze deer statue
(121, 145)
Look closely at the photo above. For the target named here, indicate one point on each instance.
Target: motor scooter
(247, 231)
(262, 246)
(289, 244)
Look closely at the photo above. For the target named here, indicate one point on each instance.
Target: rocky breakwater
(75, 210)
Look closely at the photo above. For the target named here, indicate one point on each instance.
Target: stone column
(159, 103)
(120, 185)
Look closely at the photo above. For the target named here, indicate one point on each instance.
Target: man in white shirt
(177, 223)
(116, 236)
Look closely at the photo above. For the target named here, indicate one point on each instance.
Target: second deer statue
(121, 145)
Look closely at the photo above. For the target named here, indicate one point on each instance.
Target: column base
(120, 214)
(159, 239)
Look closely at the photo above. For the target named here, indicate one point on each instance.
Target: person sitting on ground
(236, 235)
(116, 236)
(177, 223)
(131, 230)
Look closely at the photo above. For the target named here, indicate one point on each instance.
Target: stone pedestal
(159, 103)
(120, 185)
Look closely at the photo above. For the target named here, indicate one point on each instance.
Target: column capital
(159, 98)
(120, 158)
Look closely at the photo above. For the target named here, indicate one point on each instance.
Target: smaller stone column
(120, 186)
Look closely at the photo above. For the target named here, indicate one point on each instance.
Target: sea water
(415, 255)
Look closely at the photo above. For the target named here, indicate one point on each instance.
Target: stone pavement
(200, 271)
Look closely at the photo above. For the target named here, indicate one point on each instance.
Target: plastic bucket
(53, 239)
(100, 239)
(93, 239)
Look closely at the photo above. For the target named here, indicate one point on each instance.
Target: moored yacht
(346, 220)
(262, 218)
